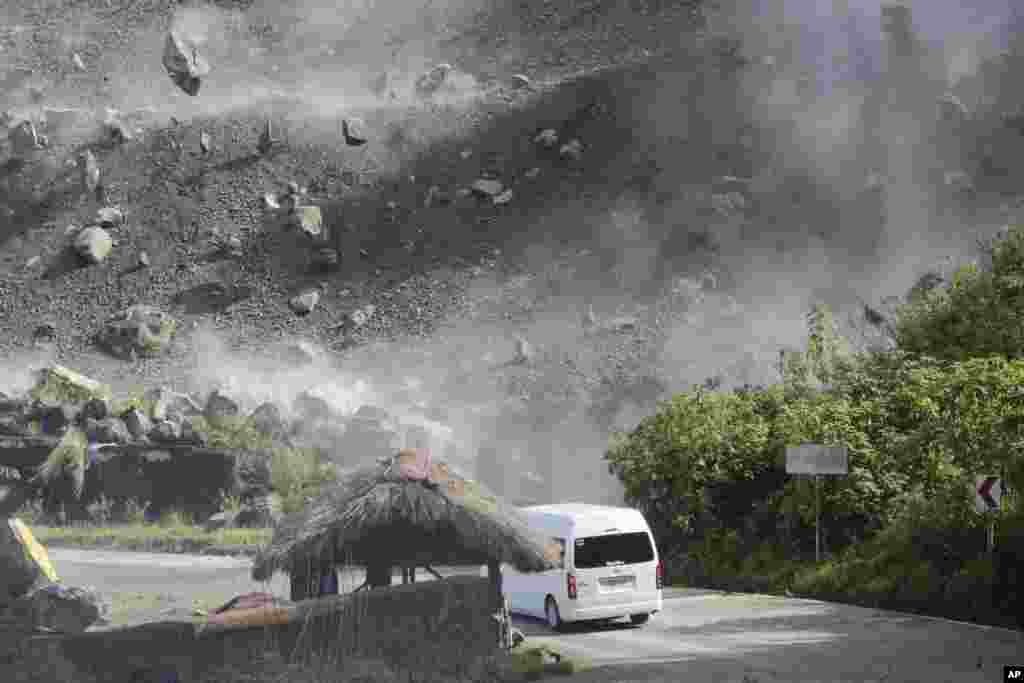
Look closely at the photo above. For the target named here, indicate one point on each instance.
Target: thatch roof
(374, 515)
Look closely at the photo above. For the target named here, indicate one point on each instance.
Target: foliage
(297, 474)
(234, 431)
(978, 313)
(135, 511)
(67, 456)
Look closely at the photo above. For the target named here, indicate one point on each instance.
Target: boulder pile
(170, 449)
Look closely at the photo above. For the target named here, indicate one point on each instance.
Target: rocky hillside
(547, 214)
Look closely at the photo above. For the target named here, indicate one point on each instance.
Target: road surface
(700, 636)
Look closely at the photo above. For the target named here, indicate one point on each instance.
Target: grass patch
(295, 474)
(533, 663)
(234, 431)
(170, 534)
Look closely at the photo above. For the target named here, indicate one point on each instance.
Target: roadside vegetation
(173, 531)
(921, 418)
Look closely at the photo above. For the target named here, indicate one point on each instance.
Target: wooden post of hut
(378, 574)
(499, 604)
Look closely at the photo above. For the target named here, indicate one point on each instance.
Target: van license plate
(617, 580)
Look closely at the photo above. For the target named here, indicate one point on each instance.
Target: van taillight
(657, 576)
(570, 584)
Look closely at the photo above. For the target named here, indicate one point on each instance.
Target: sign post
(988, 491)
(816, 460)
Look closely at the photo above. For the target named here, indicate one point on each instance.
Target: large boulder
(57, 607)
(95, 409)
(108, 430)
(169, 403)
(15, 417)
(24, 562)
(13, 494)
(93, 244)
(137, 423)
(268, 421)
(139, 330)
(219, 406)
(57, 383)
(184, 64)
(54, 418)
(311, 407)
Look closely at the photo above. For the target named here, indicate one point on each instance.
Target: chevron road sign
(987, 492)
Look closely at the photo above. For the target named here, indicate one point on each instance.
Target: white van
(610, 567)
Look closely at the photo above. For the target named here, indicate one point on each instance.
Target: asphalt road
(700, 636)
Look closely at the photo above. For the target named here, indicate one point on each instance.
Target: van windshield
(614, 549)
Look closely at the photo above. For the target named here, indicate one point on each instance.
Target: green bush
(297, 473)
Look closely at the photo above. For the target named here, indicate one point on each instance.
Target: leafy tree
(980, 312)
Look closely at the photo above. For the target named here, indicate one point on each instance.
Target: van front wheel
(638, 619)
(554, 617)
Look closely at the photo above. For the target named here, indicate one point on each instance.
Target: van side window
(561, 545)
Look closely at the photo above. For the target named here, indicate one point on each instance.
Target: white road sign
(812, 458)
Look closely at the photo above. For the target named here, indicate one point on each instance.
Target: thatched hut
(408, 512)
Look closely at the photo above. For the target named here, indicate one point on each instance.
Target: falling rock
(519, 81)
(572, 150)
(361, 316)
(874, 182)
(111, 430)
(166, 431)
(95, 409)
(486, 187)
(952, 109)
(219, 406)
(116, 129)
(24, 138)
(137, 423)
(430, 82)
(184, 64)
(524, 351)
(270, 201)
(729, 203)
(205, 143)
(140, 330)
(503, 198)
(109, 217)
(266, 141)
(354, 132)
(326, 258)
(168, 404)
(88, 171)
(143, 260)
(76, 61)
(958, 181)
(309, 220)
(547, 138)
(267, 420)
(93, 244)
(304, 303)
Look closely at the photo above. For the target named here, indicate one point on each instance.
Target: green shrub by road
(154, 538)
(920, 420)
